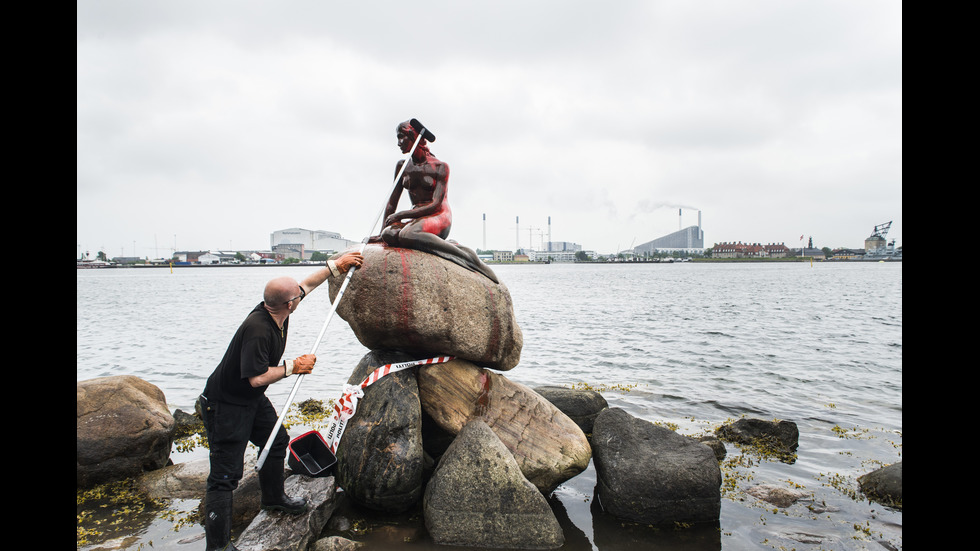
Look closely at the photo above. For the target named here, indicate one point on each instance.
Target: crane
(876, 244)
(881, 230)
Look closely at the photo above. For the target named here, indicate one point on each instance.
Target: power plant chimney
(679, 219)
(517, 220)
(484, 231)
(549, 234)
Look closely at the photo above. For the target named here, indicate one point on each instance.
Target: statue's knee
(390, 237)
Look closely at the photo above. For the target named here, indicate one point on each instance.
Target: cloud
(224, 121)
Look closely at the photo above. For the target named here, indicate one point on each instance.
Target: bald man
(236, 410)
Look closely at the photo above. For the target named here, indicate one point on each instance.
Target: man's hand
(303, 365)
(346, 260)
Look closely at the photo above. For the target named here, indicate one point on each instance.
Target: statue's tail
(471, 261)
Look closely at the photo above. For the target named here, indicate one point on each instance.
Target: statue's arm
(396, 194)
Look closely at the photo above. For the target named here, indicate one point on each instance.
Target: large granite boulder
(409, 300)
(549, 447)
(650, 474)
(123, 427)
(380, 456)
(478, 497)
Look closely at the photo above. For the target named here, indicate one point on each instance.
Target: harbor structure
(876, 245)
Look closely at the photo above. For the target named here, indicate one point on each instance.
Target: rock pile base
(478, 497)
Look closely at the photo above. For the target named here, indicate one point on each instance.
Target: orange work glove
(346, 260)
(304, 364)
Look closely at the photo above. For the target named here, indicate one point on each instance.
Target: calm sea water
(689, 344)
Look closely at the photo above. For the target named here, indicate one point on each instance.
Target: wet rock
(650, 474)
(187, 424)
(715, 444)
(278, 531)
(380, 458)
(777, 495)
(336, 543)
(581, 406)
(403, 299)
(246, 498)
(783, 437)
(181, 481)
(884, 485)
(478, 497)
(123, 427)
(816, 536)
(549, 447)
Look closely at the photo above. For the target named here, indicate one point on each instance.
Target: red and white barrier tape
(347, 404)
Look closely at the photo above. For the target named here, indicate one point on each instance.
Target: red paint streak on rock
(405, 311)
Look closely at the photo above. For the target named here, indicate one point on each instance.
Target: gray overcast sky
(209, 125)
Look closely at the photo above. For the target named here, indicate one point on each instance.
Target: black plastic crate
(308, 454)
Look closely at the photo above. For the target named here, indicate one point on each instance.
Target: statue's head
(406, 128)
(406, 137)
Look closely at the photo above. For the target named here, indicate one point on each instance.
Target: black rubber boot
(217, 521)
(274, 496)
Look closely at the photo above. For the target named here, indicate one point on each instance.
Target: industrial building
(689, 239)
(686, 240)
(302, 243)
(562, 246)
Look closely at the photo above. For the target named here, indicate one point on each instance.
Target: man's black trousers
(230, 427)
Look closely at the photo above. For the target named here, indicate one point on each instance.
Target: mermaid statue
(425, 226)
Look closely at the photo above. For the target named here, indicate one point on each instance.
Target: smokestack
(484, 231)
(517, 220)
(678, 219)
(549, 234)
(700, 231)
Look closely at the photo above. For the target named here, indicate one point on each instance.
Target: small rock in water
(782, 437)
(884, 485)
(777, 495)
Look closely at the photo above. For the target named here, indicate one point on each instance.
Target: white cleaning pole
(333, 309)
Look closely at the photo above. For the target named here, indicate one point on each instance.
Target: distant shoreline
(512, 263)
